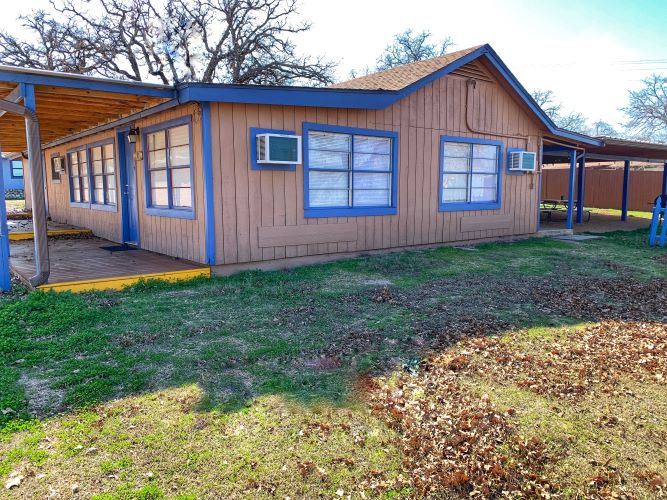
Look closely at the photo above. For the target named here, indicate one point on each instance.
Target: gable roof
(402, 76)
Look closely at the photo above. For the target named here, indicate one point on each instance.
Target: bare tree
(408, 48)
(545, 99)
(229, 41)
(58, 46)
(603, 128)
(647, 109)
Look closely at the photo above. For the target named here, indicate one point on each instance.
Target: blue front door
(128, 190)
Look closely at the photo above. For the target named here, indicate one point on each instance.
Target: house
(412, 156)
(12, 173)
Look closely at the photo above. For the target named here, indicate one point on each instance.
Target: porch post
(570, 190)
(5, 281)
(33, 140)
(664, 180)
(580, 189)
(626, 186)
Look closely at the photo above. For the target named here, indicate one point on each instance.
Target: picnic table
(550, 206)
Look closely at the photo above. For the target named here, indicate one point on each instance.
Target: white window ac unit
(58, 164)
(278, 149)
(522, 161)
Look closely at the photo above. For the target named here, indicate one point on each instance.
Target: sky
(588, 52)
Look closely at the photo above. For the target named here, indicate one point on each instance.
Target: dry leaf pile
(456, 443)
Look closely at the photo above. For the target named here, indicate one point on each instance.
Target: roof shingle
(405, 75)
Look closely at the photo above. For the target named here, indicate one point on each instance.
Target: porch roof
(67, 103)
(613, 149)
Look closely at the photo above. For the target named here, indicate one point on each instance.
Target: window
(168, 168)
(469, 173)
(349, 171)
(57, 163)
(17, 169)
(103, 169)
(78, 173)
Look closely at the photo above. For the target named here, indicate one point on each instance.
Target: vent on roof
(474, 70)
(522, 161)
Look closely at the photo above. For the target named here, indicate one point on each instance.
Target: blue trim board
(253, 150)
(37, 77)
(5, 279)
(176, 213)
(209, 201)
(350, 211)
(459, 206)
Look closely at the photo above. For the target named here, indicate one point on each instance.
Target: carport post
(580, 190)
(626, 186)
(664, 179)
(5, 280)
(570, 190)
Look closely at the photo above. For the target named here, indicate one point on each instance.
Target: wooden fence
(604, 187)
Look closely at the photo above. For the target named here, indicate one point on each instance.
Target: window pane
(157, 159)
(328, 198)
(156, 140)
(455, 195)
(97, 167)
(178, 136)
(99, 195)
(83, 156)
(329, 159)
(179, 156)
(482, 180)
(484, 151)
(98, 182)
(483, 165)
(483, 194)
(180, 178)
(371, 181)
(111, 189)
(372, 162)
(74, 170)
(456, 149)
(76, 194)
(454, 181)
(158, 179)
(328, 180)
(83, 168)
(159, 197)
(377, 145)
(455, 164)
(109, 166)
(181, 197)
(108, 151)
(96, 153)
(371, 198)
(329, 142)
(111, 197)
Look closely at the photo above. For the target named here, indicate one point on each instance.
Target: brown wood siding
(183, 238)
(249, 201)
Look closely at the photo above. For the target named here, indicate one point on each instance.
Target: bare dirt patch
(41, 397)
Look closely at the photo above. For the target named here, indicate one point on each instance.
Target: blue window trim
(176, 213)
(507, 162)
(72, 203)
(459, 206)
(11, 169)
(350, 211)
(253, 150)
(93, 204)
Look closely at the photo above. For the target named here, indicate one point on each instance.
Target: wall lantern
(132, 135)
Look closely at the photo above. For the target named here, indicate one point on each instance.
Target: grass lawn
(537, 367)
(617, 213)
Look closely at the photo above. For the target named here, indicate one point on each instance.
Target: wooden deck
(82, 264)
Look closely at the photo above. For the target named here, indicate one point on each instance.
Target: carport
(608, 149)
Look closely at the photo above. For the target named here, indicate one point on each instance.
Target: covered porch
(39, 109)
(575, 215)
